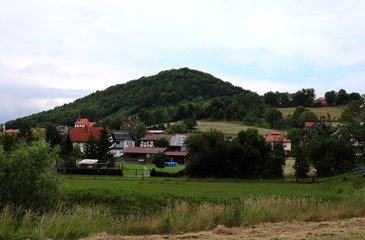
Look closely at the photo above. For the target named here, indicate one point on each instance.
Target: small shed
(87, 163)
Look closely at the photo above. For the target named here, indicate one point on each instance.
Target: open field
(335, 112)
(129, 206)
(129, 167)
(213, 189)
(228, 127)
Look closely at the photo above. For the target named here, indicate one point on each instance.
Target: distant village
(133, 150)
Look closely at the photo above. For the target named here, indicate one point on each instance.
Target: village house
(149, 139)
(83, 122)
(141, 154)
(121, 139)
(80, 135)
(277, 136)
(321, 101)
(317, 124)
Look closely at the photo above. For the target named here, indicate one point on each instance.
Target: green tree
(53, 137)
(331, 97)
(306, 116)
(295, 117)
(342, 97)
(162, 142)
(28, 177)
(178, 128)
(103, 147)
(25, 131)
(90, 148)
(273, 116)
(159, 160)
(353, 123)
(301, 166)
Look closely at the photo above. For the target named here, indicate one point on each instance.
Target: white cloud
(92, 44)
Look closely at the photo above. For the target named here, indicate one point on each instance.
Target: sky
(53, 52)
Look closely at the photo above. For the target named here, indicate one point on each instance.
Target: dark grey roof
(122, 135)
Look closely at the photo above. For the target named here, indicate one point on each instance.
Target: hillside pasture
(228, 127)
(335, 112)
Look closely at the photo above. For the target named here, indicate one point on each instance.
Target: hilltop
(164, 91)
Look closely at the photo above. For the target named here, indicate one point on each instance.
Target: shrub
(28, 177)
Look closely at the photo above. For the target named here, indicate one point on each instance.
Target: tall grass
(177, 217)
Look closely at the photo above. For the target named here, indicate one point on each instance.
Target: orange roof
(320, 99)
(83, 134)
(84, 121)
(276, 136)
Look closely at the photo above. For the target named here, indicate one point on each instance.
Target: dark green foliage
(353, 122)
(9, 142)
(331, 97)
(178, 128)
(304, 97)
(103, 146)
(90, 148)
(28, 177)
(162, 142)
(342, 97)
(53, 137)
(273, 117)
(159, 160)
(66, 147)
(25, 131)
(301, 166)
(247, 156)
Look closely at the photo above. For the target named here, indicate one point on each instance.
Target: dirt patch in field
(339, 229)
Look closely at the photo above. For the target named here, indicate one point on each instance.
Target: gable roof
(83, 134)
(150, 150)
(320, 99)
(317, 124)
(276, 136)
(154, 137)
(122, 135)
(84, 121)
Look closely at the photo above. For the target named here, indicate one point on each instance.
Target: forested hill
(154, 99)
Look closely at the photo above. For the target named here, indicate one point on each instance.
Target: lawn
(130, 168)
(335, 112)
(190, 189)
(228, 127)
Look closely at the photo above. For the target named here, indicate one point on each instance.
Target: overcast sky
(54, 51)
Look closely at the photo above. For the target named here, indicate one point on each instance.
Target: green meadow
(228, 127)
(334, 111)
(132, 206)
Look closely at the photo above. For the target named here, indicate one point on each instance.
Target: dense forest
(179, 94)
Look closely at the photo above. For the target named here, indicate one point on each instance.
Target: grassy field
(130, 206)
(130, 167)
(335, 112)
(213, 190)
(228, 127)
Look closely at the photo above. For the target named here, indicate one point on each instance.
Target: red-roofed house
(83, 122)
(141, 154)
(317, 124)
(11, 131)
(80, 135)
(179, 157)
(277, 136)
(321, 101)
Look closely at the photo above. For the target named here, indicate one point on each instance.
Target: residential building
(277, 136)
(80, 135)
(121, 139)
(141, 154)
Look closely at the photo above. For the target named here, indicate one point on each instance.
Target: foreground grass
(228, 127)
(130, 206)
(176, 217)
